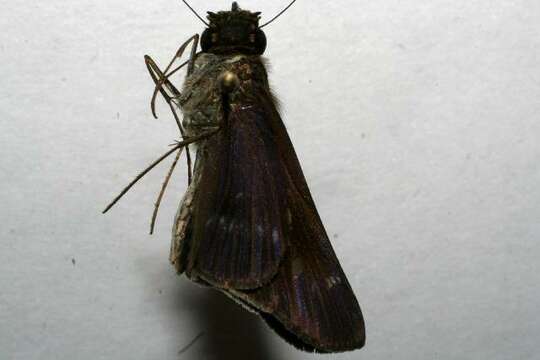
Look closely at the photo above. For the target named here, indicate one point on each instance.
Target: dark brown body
(248, 225)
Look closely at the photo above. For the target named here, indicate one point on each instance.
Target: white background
(417, 126)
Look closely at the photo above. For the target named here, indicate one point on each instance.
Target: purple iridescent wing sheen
(237, 225)
(310, 302)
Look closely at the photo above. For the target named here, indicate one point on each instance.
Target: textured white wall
(417, 126)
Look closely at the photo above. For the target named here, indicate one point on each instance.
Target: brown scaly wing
(237, 229)
(310, 302)
(288, 272)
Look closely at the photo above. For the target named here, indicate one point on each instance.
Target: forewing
(257, 234)
(238, 220)
(310, 302)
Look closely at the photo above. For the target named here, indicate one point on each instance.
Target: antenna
(278, 15)
(197, 15)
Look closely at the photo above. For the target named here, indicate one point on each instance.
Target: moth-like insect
(247, 224)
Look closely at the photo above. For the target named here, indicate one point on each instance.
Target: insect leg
(161, 81)
(155, 73)
(191, 66)
(188, 155)
(161, 78)
(179, 145)
(162, 192)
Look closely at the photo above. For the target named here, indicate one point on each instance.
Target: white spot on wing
(332, 281)
(275, 236)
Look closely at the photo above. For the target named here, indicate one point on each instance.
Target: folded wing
(238, 221)
(259, 238)
(310, 302)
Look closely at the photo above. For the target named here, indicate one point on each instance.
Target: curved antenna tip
(278, 15)
(197, 15)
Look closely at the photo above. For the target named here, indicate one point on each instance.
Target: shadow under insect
(229, 332)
